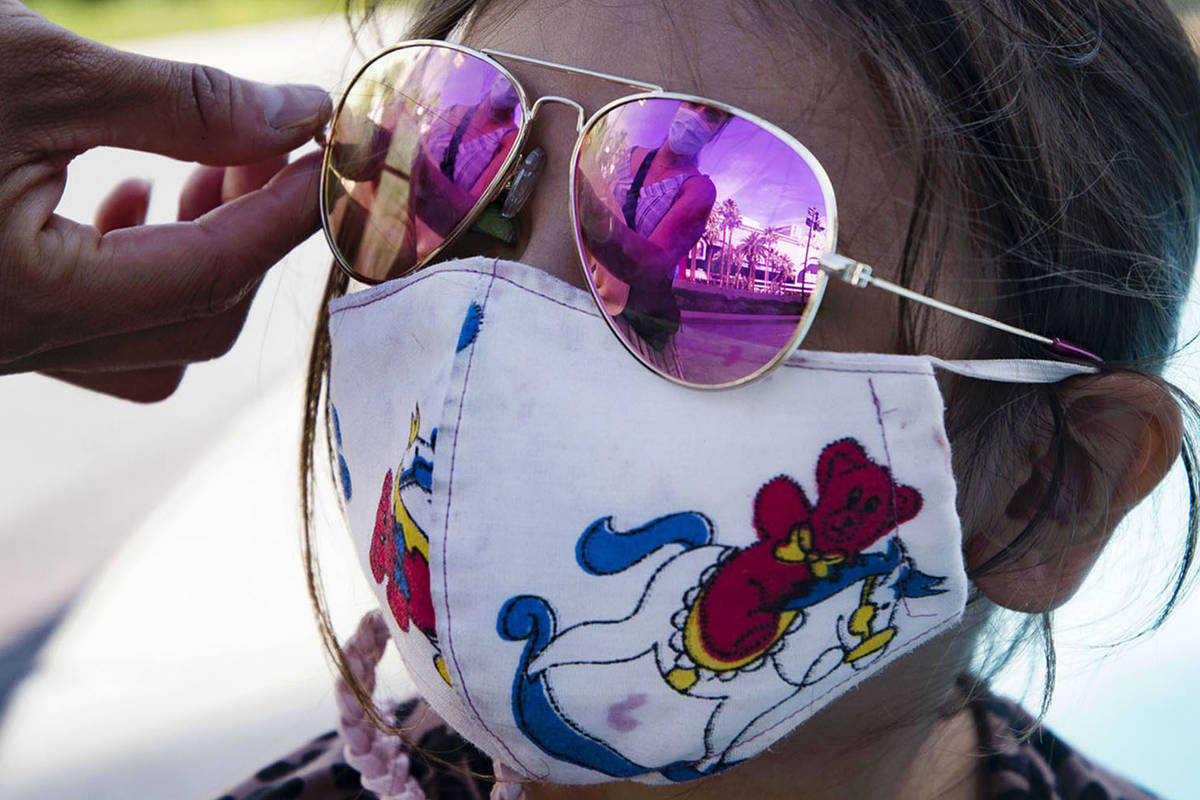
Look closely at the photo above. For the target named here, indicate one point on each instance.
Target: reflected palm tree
(757, 251)
(711, 235)
(813, 222)
(782, 269)
(730, 217)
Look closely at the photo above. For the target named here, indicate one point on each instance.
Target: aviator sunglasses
(706, 234)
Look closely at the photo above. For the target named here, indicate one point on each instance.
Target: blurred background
(155, 632)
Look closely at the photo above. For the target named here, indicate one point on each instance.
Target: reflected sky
(432, 76)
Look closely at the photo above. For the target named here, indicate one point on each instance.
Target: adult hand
(123, 307)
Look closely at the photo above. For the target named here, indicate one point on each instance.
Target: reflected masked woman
(462, 153)
(402, 198)
(642, 228)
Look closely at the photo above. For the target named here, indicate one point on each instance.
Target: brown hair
(1072, 132)
(1065, 136)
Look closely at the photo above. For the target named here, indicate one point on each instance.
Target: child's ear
(1121, 434)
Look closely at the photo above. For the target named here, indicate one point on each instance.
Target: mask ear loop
(382, 759)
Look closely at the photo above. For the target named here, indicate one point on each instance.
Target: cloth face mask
(688, 132)
(594, 574)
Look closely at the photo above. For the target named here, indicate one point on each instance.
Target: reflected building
(758, 258)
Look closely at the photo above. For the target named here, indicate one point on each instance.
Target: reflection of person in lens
(398, 215)
(655, 214)
(461, 154)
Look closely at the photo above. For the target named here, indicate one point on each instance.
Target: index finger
(89, 94)
(137, 278)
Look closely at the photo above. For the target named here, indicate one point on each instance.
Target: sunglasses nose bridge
(580, 114)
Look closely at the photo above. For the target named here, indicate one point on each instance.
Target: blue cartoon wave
(531, 619)
(604, 551)
(910, 583)
(420, 473)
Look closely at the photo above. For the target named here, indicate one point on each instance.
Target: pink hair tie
(382, 759)
(509, 785)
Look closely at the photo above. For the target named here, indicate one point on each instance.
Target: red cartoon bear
(399, 555)
(741, 610)
(400, 547)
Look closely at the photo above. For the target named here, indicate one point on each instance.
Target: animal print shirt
(1040, 767)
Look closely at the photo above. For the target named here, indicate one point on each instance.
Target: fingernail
(293, 106)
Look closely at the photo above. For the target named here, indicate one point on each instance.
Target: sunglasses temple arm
(859, 275)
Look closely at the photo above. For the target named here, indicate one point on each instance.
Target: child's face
(800, 82)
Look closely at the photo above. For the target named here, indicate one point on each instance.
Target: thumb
(94, 95)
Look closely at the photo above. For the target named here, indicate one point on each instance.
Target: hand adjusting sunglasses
(705, 233)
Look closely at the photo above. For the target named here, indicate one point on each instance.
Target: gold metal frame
(653, 91)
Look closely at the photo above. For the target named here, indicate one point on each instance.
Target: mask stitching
(888, 456)
(461, 683)
(556, 301)
(350, 306)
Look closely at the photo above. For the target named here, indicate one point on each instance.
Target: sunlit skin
(900, 734)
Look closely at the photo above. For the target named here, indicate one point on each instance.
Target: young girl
(605, 583)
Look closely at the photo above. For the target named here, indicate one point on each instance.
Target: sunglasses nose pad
(523, 182)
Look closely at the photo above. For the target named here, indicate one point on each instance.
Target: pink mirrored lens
(419, 140)
(701, 232)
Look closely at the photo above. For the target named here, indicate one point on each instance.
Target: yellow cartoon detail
(798, 548)
(415, 539)
(862, 623)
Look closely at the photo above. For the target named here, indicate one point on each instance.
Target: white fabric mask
(688, 132)
(594, 574)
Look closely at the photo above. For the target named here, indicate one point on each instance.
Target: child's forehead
(766, 62)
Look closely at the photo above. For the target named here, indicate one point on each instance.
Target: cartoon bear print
(740, 611)
(725, 637)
